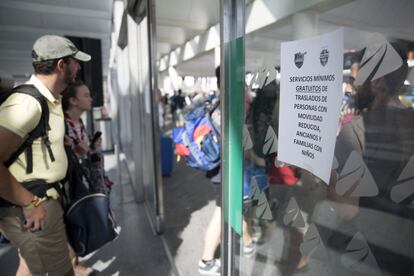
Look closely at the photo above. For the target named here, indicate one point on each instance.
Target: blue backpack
(197, 141)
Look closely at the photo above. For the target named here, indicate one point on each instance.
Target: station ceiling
(180, 21)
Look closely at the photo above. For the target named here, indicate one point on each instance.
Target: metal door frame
(232, 29)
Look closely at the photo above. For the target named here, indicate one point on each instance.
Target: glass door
(314, 185)
(142, 148)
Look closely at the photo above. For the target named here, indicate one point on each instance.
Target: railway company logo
(299, 59)
(324, 56)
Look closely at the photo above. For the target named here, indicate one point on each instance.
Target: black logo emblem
(324, 56)
(299, 59)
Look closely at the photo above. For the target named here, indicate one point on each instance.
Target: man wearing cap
(36, 225)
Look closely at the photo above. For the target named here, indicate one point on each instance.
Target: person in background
(75, 101)
(208, 265)
(179, 102)
(161, 108)
(35, 224)
(349, 109)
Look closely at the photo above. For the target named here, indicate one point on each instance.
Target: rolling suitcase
(166, 155)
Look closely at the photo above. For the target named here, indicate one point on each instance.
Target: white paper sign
(310, 101)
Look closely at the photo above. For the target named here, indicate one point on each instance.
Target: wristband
(34, 203)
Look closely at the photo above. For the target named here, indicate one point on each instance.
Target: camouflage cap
(50, 47)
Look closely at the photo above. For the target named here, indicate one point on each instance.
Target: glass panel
(361, 222)
(147, 125)
(136, 118)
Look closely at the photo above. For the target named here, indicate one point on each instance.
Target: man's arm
(13, 191)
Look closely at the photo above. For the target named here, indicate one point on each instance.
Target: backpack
(197, 141)
(40, 131)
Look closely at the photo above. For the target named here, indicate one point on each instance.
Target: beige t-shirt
(20, 113)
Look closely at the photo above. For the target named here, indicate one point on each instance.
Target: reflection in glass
(361, 223)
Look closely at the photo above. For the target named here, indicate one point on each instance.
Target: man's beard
(68, 77)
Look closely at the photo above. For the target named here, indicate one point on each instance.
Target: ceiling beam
(162, 47)
(41, 31)
(196, 46)
(189, 25)
(54, 9)
(15, 45)
(15, 53)
(259, 14)
(171, 40)
(394, 32)
(262, 13)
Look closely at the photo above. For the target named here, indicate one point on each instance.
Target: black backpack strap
(41, 130)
